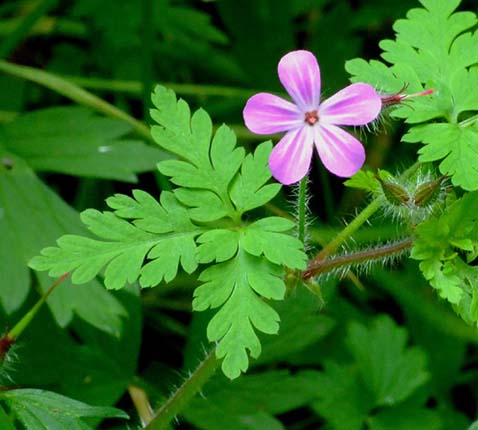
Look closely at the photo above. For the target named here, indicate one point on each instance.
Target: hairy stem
(390, 249)
(190, 387)
(351, 228)
(302, 202)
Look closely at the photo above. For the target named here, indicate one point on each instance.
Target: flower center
(311, 117)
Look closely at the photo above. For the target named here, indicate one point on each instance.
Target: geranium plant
(237, 224)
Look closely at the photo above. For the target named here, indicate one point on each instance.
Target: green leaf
(205, 205)
(147, 241)
(265, 237)
(45, 410)
(473, 426)
(384, 376)
(208, 163)
(457, 146)
(436, 244)
(301, 325)
(83, 144)
(364, 180)
(5, 421)
(217, 245)
(32, 216)
(431, 47)
(230, 405)
(434, 48)
(160, 232)
(15, 273)
(237, 285)
(84, 363)
(248, 190)
(389, 369)
(406, 416)
(342, 399)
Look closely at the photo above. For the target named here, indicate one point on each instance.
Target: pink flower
(308, 122)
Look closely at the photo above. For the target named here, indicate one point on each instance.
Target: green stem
(73, 92)
(16, 331)
(351, 228)
(302, 207)
(136, 87)
(340, 261)
(178, 400)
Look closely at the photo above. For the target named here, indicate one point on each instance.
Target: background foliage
(383, 353)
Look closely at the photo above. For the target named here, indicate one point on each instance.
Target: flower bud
(428, 192)
(394, 193)
(397, 98)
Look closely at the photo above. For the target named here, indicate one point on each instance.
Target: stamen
(311, 117)
(397, 98)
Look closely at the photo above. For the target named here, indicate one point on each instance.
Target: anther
(311, 117)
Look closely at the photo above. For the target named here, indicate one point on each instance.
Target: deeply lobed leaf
(435, 47)
(444, 246)
(250, 268)
(200, 222)
(160, 233)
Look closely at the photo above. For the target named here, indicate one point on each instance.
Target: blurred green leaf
(391, 370)
(5, 421)
(245, 404)
(302, 325)
(34, 215)
(45, 410)
(74, 141)
(473, 426)
(406, 416)
(342, 400)
(85, 363)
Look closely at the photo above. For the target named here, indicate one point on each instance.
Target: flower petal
(357, 104)
(300, 74)
(341, 153)
(267, 114)
(290, 158)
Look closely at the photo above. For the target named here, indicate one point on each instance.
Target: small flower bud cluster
(415, 199)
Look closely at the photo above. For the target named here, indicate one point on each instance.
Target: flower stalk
(10, 337)
(179, 399)
(319, 267)
(302, 208)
